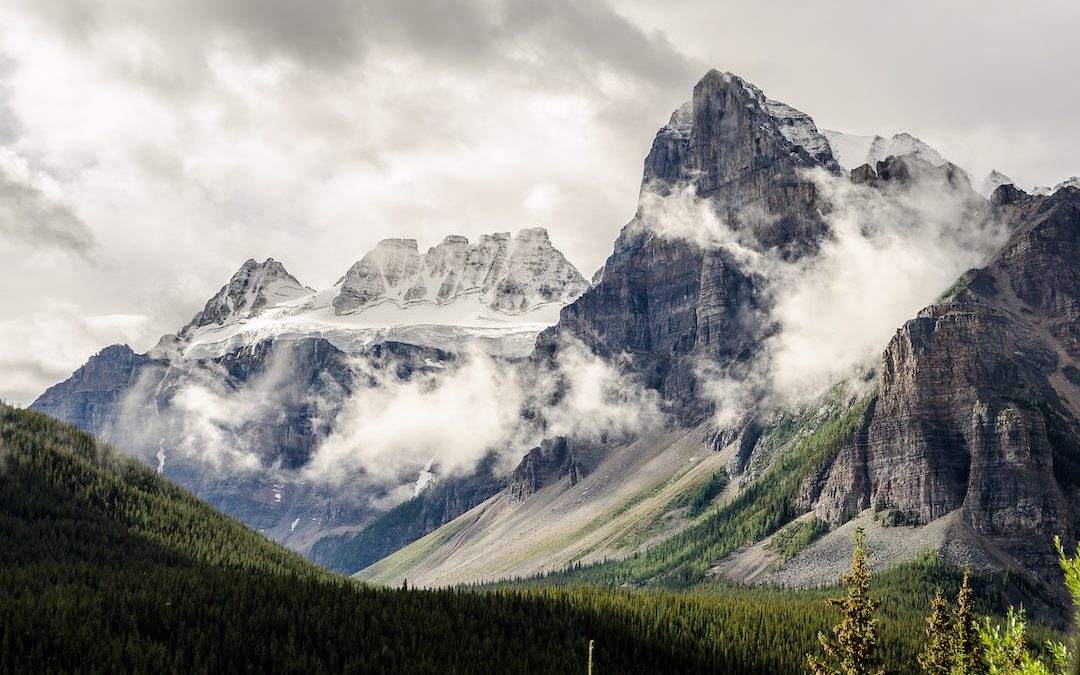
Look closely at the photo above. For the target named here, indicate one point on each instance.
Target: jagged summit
(499, 292)
(794, 131)
(746, 154)
(511, 275)
(254, 287)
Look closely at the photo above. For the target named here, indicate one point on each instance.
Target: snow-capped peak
(510, 274)
(496, 294)
(1043, 190)
(852, 150)
(254, 288)
(795, 126)
(799, 129)
(901, 145)
(993, 181)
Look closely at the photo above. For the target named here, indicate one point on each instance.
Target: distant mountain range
(962, 438)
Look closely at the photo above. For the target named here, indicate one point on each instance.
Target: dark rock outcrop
(550, 461)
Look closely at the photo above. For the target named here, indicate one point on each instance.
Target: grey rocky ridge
(964, 430)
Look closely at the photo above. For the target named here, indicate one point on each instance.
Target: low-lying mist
(384, 432)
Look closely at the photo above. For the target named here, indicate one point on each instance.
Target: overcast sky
(149, 148)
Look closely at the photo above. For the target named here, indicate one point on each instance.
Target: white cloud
(394, 428)
(891, 254)
(390, 433)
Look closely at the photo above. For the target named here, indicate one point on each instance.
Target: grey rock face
(553, 459)
(89, 397)
(975, 411)
(668, 303)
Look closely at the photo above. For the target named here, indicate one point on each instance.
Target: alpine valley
(726, 400)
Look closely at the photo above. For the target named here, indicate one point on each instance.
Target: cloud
(892, 249)
(680, 214)
(393, 432)
(534, 37)
(586, 397)
(196, 414)
(394, 427)
(33, 211)
(44, 348)
(383, 433)
(891, 252)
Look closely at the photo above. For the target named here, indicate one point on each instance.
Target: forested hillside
(105, 567)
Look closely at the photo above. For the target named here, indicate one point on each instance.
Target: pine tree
(966, 645)
(937, 657)
(855, 643)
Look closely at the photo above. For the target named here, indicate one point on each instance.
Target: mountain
(961, 439)
(236, 404)
(669, 303)
(254, 288)
(107, 567)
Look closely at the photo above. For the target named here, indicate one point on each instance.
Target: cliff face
(670, 304)
(976, 409)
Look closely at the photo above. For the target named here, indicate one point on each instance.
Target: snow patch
(993, 181)
(1044, 191)
(852, 151)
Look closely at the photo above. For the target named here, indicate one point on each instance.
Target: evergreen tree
(852, 650)
(966, 644)
(937, 657)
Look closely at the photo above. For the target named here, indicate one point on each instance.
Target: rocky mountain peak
(993, 181)
(853, 151)
(510, 274)
(744, 152)
(902, 145)
(254, 287)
